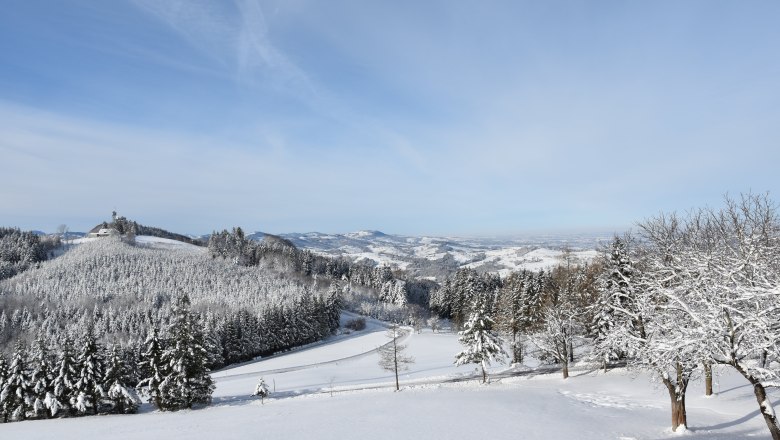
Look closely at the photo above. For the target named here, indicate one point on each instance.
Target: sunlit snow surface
(336, 390)
(148, 241)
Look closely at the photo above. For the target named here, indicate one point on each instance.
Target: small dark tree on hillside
(391, 357)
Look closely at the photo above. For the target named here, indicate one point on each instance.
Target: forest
(681, 294)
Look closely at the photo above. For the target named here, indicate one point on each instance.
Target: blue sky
(432, 117)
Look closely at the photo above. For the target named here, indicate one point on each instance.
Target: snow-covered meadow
(336, 390)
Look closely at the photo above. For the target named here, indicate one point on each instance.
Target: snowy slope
(151, 242)
(435, 402)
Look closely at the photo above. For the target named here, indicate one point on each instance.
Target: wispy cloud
(233, 34)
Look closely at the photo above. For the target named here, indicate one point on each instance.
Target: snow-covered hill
(149, 241)
(436, 256)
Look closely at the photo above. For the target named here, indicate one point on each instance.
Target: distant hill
(124, 226)
(437, 257)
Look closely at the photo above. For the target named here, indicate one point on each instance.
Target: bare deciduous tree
(391, 357)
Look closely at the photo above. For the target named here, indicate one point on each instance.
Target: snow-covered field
(149, 241)
(336, 390)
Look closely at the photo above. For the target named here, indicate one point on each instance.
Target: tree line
(20, 250)
(60, 379)
(688, 292)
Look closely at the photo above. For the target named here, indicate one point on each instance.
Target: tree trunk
(677, 397)
(766, 410)
(679, 416)
(484, 375)
(517, 347)
(565, 369)
(707, 379)
(571, 351)
(764, 404)
(395, 361)
(397, 387)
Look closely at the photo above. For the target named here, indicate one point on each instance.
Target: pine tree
(189, 381)
(261, 390)
(122, 396)
(212, 343)
(232, 345)
(65, 380)
(615, 306)
(514, 303)
(482, 343)
(334, 304)
(3, 378)
(89, 386)
(16, 396)
(41, 378)
(154, 369)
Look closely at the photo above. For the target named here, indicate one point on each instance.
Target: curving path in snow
(336, 390)
(342, 363)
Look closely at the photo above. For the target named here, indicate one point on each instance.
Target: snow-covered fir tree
(119, 393)
(41, 377)
(188, 381)
(16, 397)
(518, 311)
(153, 369)
(261, 390)
(65, 379)
(4, 413)
(616, 304)
(89, 385)
(482, 343)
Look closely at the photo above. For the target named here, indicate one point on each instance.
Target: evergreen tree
(154, 369)
(3, 378)
(261, 390)
(16, 396)
(334, 305)
(482, 344)
(212, 343)
(122, 396)
(41, 378)
(89, 386)
(188, 381)
(615, 308)
(232, 345)
(510, 314)
(64, 382)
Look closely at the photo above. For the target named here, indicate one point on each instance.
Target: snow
(514, 259)
(337, 390)
(148, 241)
(489, 254)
